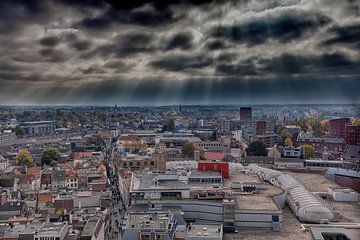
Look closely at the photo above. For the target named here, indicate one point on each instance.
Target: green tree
(24, 158)
(18, 130)
(188, 150)
(256, 149)
(50, 155)
(309, 151)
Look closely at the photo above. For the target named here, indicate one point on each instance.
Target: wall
(222, 167)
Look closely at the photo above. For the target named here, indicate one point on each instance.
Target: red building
(353, 135)
(222, 167)
(260, 127)
(245, 114)
(337, 127)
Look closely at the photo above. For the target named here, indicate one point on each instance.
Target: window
(275, 218)
(144, 236)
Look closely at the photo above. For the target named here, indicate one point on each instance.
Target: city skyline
(189, 52)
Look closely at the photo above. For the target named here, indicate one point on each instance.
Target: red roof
(81, 155)
(78, 166)
(102, 168)
(67, 166)
(71, 174)
(44, 198)
(34, 170)
(214, 155)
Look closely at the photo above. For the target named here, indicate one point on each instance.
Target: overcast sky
(202, 52)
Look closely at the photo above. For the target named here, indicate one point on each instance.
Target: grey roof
(59, 175)
(352, 151)
(7, 181)
(12, 206)
(258, 159)
(289, 160)
(31, 228)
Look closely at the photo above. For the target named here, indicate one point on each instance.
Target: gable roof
(34, 170)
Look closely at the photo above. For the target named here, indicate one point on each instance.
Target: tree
(288, 142)
(356, 122)
(309, 151)
(49, 155)
(18, 130)
(188, 150)
(24, 158)
(256, 149)
(284, 134)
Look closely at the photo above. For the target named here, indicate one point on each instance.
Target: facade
(334, 145)
(353, 135)
(52, 231)
(269, 140)
(7, 138)
(222, 167)
(337, 127)
(260, 127)
(246, 114)
(40, 127)
(160, 225)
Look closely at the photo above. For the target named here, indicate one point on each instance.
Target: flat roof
(147, 180)
(90, 226)
(148, 220)
(51, 229)
(260, 200)
(205, 231)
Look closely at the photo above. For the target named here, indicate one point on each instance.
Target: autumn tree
(288, 142)
(24, 158)
(309, 151)
(50, 155)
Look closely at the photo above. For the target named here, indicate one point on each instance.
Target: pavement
(118, 208)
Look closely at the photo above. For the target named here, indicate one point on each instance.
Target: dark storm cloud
(50, 41)
(180, 63)
(81, 45)
(123, 45)
(53, 55)
(344, 35)
(161, 51)
(334, 63)
(143, 17)
(286, 26)
(216, 45)
(13, 13)
(180, 40)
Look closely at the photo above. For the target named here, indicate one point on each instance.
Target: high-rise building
(246, 114)
(337, 127)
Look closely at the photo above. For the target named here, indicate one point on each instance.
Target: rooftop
(205, 231)
(171, 180)
(144, 220)
(51, 229)
(260, 200)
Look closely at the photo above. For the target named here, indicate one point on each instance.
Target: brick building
(337, 127)
(353, 135)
